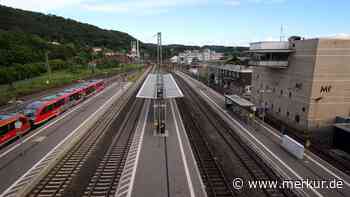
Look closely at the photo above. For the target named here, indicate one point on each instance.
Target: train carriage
(8, 131)
(46, 108)
(100, 85)
(43, 110)
(73, 96)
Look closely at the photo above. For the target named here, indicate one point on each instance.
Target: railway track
(93, 166)
(211, 172)
(246, 157)
(106, 178)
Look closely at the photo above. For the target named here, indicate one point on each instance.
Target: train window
(90, 90)
(3, 129)
(50, 107)
(44, 111)
(75, 96)
(11, 126)
(23, 120)
(60, 103)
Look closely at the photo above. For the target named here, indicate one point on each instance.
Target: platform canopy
(148, 89)
(239, 101)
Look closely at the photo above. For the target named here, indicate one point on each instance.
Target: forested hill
(29, 32)
(59, 29)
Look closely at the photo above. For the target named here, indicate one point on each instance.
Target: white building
(205, 55)
(174, 59)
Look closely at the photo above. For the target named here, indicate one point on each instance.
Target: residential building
(96, 49)
(204, 55)
(305, 83)
(174, 59)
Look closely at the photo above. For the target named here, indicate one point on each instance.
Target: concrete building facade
(235, 79)
(303, 83)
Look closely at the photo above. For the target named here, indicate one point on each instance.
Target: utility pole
(159, 49)
(160, 105)
(48, 66)
(138, 50)
(281, 34)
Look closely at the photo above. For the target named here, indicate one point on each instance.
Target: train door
(25, 125)
(7, 132)
(47, 113)
(61, 105)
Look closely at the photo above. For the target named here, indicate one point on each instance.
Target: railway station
(176, 137)
(163, 134)
(94, 104)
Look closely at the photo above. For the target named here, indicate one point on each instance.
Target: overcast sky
(200, 22)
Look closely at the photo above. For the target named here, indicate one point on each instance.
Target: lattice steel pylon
(159, 103)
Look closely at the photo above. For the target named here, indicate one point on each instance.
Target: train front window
(11, 126)
(31, 109)
(29, 112)
(3, 130)
(34, 105)
(45, 110)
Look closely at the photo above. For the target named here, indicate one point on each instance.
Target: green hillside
(59, 29)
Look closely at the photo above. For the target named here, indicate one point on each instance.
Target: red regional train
(48, 107)
(40, 111)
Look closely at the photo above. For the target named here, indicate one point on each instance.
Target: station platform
(266, 141)
(161, 166)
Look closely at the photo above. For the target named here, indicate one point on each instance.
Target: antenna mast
(281, 34)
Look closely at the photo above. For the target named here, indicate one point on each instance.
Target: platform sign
(293, 147)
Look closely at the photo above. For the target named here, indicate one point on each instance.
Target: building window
(297, 118)
(281, 92)
(273, 90)
(271, 106)
(303, 109)
(287, 113)
(298, 85)
(290, 95)
(279, 110)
